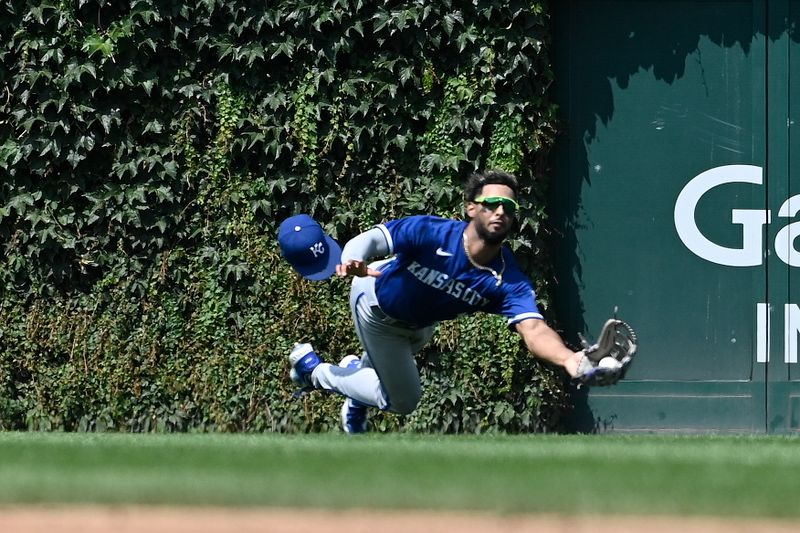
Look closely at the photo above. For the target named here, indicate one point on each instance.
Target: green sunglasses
(493, 202)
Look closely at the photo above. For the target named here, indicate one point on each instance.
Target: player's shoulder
(408, 233)
(430, 222)
(427, 219)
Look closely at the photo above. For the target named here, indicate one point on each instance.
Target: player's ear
(471, 209)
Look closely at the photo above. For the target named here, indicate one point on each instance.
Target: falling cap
(311, 252)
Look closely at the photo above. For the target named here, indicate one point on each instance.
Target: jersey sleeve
(520, 303)
(405, 234)
(365, 246)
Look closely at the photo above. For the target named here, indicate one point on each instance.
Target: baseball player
(437, 269)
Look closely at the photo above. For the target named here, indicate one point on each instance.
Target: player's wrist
(572, 363)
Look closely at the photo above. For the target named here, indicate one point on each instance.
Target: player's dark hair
(475, 183)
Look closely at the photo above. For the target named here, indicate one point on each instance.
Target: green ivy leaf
(98, 44)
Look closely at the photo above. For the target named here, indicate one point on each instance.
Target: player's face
(493, 221)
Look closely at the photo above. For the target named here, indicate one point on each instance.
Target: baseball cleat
(350, 361)
(303, 360)
(354, 414)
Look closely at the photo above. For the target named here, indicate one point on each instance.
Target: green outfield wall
(676, 200)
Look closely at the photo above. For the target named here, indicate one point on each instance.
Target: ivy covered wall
(149, 150)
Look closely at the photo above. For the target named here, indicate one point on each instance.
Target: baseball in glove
(607, 361)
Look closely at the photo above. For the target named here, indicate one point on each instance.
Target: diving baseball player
(437, 269)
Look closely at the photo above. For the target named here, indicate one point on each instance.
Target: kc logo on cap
(312, 253)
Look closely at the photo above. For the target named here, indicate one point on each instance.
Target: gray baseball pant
(387, 377)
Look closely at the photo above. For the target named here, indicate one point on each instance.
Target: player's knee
(406, 403)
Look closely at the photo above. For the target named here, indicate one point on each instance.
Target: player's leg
(388, 349)
(389, 354)
(397, 373)
(387, 377)
(361, 382)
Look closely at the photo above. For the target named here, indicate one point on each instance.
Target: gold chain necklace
(497, 276)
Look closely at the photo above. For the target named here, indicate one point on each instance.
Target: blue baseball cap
(312, 253)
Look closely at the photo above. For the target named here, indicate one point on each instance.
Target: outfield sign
(751, 249)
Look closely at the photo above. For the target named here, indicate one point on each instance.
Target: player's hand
(355, 267)
(592, 373)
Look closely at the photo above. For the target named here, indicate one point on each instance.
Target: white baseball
(609, 362)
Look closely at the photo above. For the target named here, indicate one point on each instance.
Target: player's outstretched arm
(359, 251)
(543, 342)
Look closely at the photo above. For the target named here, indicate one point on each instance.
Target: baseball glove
(607, 361)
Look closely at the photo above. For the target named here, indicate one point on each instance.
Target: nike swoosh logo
(443, 253)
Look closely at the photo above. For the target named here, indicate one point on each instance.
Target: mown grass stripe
(650, 474)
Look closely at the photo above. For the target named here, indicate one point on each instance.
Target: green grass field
(686, 475)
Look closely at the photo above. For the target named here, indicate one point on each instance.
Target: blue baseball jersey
(431, 279)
